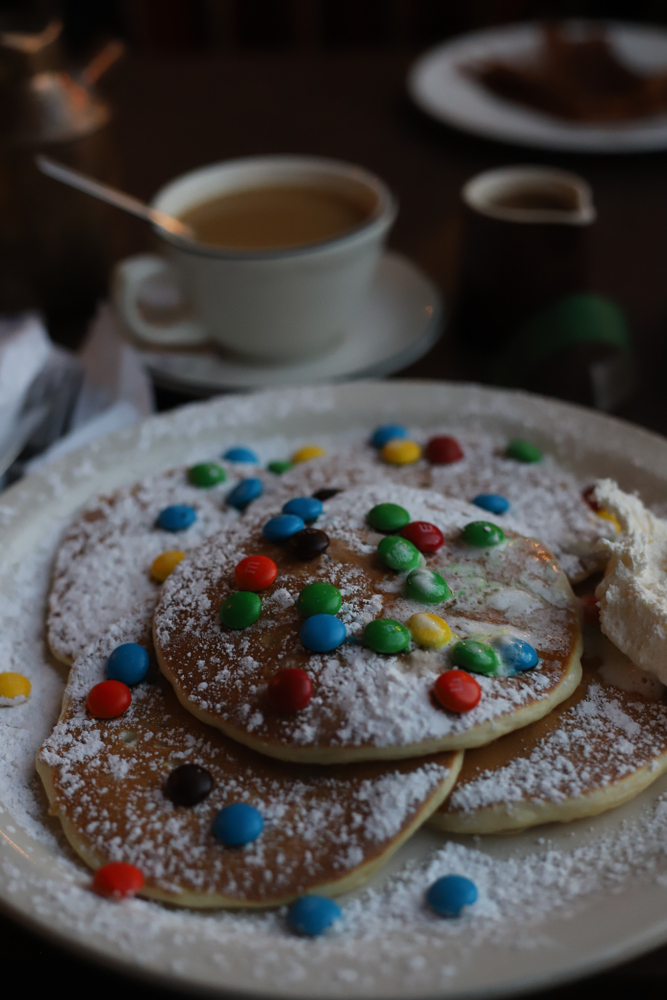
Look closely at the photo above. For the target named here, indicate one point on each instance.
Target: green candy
(241, 609)
(427, 587)
(398, 553)
(475, 657)
(483, 534)
(319, 599)
(523, 451)
(384, 635)
(388, 517)
(279, 466)
(206, 474)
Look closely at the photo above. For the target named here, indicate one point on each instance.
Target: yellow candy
(14, 686)
(307, 452)
(607, 515)
(401, 452)
(429, 630)
(166, 564)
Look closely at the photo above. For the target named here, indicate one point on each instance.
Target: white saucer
(402, 317)
(438, 87)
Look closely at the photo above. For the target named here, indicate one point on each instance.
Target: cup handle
(128, 277)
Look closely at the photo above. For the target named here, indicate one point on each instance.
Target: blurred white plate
(439, 88)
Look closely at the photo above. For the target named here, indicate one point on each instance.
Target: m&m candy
(313, 915)
(478, 657)
(255, 573)
(607, 515)
(319, 598)
(282, 527)
(399, 554)
(279, 466)
(188, 784)
(387, 517)
(240, 609)
(14, 688)
(206, 474)
(424, 536)
(457, 691)
(307, 508)
(450, 894)
(400, 452)
(482, 534)
(165, 564)
(326, 493)
(517, 654)
(384, 635)
(118, 879)
(590, 610)
(443, 450)
(427, 587)
(387, 432)
(309, 543)
(177, 517)
(289, 690)
(523, 451)
(108, 699)
(308, 452)
(240, 454)
(429, 631)
(128, 663)
(245, 492)
(588, 496)
(322, 633)
(493, 502)
(238, 824)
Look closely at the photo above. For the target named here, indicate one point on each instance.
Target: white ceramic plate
(439, 89)
(573, 899)
(400, 319)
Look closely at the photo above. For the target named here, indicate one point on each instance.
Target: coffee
(535, 199)
(276, 217)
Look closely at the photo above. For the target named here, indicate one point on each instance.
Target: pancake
(366, 705)
(324, 829)
(600, 748)
(102, 568)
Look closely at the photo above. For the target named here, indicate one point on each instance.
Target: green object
(241, 609)
(206, 474)
(427, 587)
(384, 635)
(398, 553)
(319, 599)
(279, 466)
(388, 517)
(475, 657)
(523, 451)
(483, 534)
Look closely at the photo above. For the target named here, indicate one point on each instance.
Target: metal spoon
(113, 196)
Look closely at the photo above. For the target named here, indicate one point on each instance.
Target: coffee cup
(268, 303)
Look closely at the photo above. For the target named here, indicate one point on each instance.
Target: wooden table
(176, 113)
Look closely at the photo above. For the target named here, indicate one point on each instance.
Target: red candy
(289, 690)
(255, 573)
(590, 609)
(457, 691)
(118, 879)
(108, 699)
(424, 536)
(588, 496)
(443, 450)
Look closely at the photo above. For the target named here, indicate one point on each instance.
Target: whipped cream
(633, 593)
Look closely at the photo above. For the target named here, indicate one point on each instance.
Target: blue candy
(450, 894)
(128, 663)
(493, 502)
(322, 633)
(313, 915)
(517, 654)
(245, 492)
(308, 508)
(178, 517)
(386, 432)
(283, 526)
(238, 824)
(239, 454)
